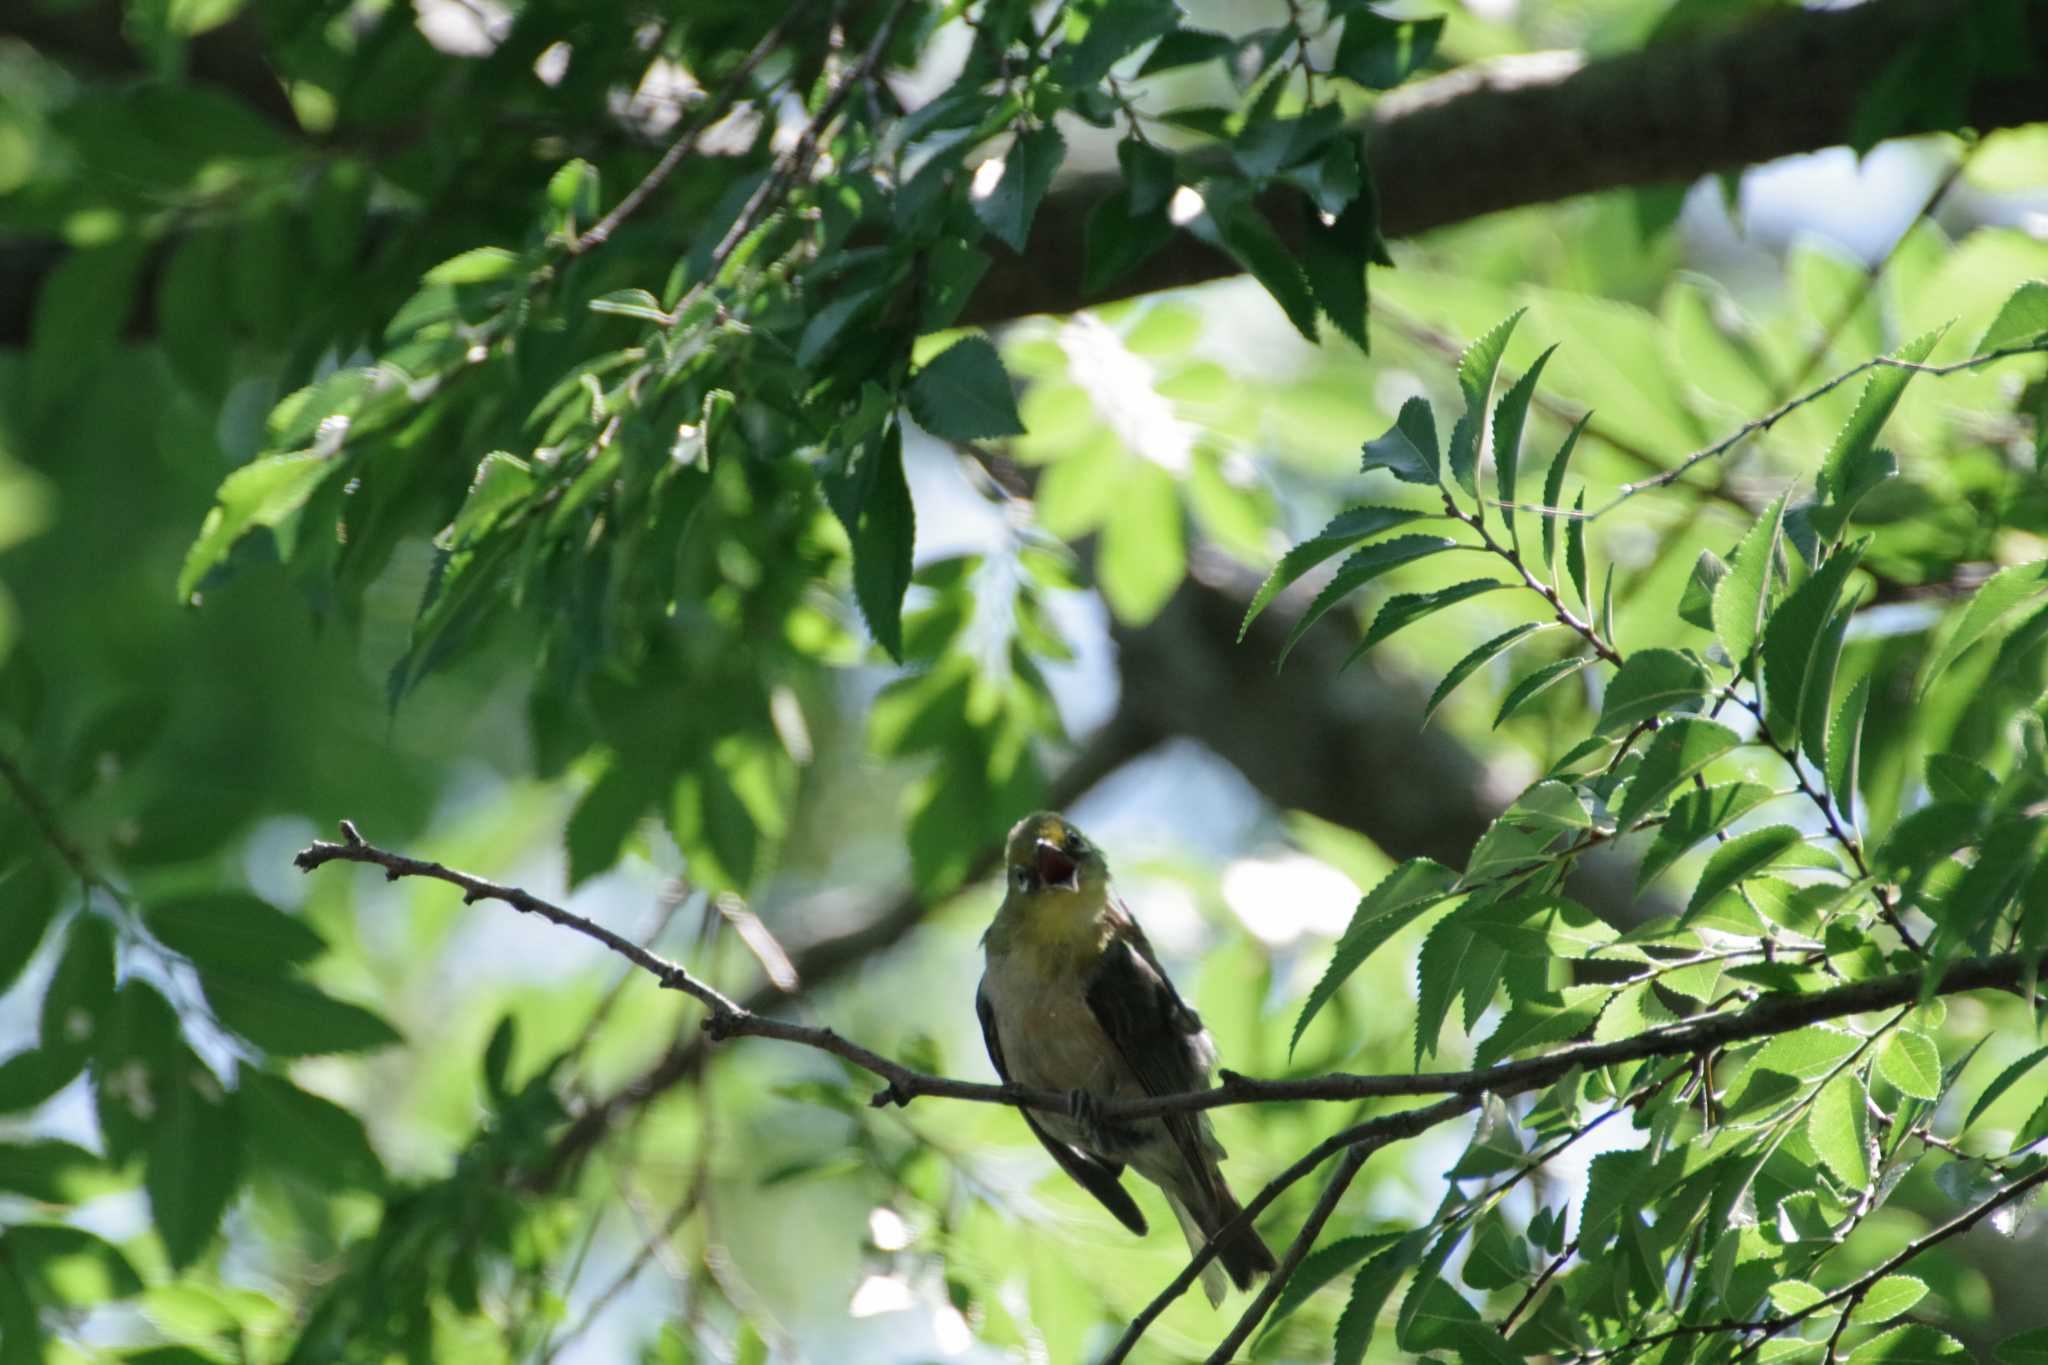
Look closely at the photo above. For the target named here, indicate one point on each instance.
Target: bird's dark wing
(1155, 1032)
(1092, 1173)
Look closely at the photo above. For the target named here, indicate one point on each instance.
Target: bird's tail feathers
(1243, 1257)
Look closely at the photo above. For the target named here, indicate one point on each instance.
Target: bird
(1073, 999)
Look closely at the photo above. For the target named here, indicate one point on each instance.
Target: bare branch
(53, 833)
(728, 1018)
(1371, 1135)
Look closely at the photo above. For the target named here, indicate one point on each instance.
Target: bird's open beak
(1055, 867)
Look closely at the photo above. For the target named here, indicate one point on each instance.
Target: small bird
(1074, 999)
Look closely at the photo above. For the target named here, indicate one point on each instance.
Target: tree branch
(727, 1018)
(1855, 1289)
(1672, 112)
(1371, 1135)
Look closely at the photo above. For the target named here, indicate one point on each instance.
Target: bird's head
(1047, 857)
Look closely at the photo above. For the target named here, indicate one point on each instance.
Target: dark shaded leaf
(1345, 529)
(1476, 369)
(1360, 569)
(1405, 609)
(1537, 683)
(963, 394)
(1408, 451)
(1472, 662)
(1010, 205)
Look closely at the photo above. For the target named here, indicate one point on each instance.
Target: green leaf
(1743, 856)
(69, 1266)
(872, 501)
(1795, 640)
(52, 1171)
(1472, 662)
(80, 310)
(233, 929)
(1542, 927)
(1149, 174)
(1696, 816)
(478, 265)
(1405, 609)
(1820, 688)
(1408, 451)
(1370, 1289)
(1476, 369)
(1455, 961)
(1251, 241)
(81, 987)
(962, 394)
(1401, 896)
(1114, 31)
(1575, 549)
(2005, 1081)
(194, 1162)
(1379, 53)
(1806, 1054)
(1187, 47)
(1912, 1344)
(1951, 777)
(2024, 1348)
(1742, 601)
(1794, 1296)
(1838, 1125)
(2001, 592)
(1854, 465)
(1845, 746)
(1142, 557)
(262, 493)
(1551, 805)
(1324, 1264)
(1912, 1063)
(1537, 683)
(1542, 1020)
(1509, 415)
(1889, 1297)
(1696, 604)
(1010, 205)
(1335, 256)
(2022, 320)
(1651, 683)
(1680, 748)
(30, 891)
(1859, 475)
(502, 482)
(1346, 529)
(288, 1017)
(1361, 568)
(1553, 489)
(632, 303)
(1498, 1257)
(1119, 238)
(313, 1138)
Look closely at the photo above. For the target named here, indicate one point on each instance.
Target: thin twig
(53, 833)
(1373, 1133)
(1311, 1228)
(1767, 1328)
(727, 1018)
(708, 111)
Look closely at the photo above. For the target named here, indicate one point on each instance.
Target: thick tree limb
(1535, 129)
(1487, 137)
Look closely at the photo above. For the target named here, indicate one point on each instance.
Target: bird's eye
(1020, 877)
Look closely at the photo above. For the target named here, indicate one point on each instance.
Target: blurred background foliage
(347, 469)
